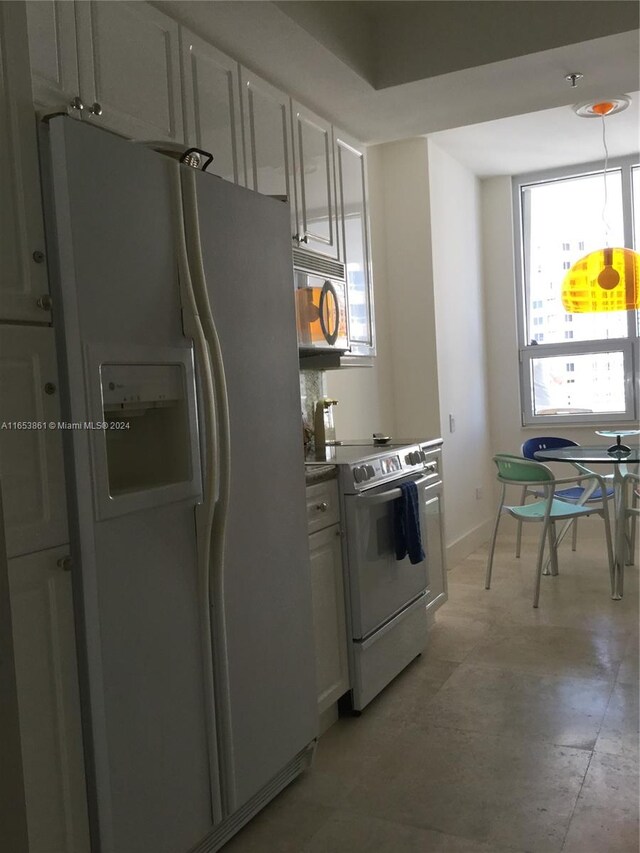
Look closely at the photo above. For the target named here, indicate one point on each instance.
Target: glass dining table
(619, 459)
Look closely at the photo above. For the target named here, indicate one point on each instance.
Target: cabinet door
(433, 515)
(267, 134)
(327, 593)
(23, 274)
(313, 147)
(31, 466)
(48, 702)
(52, 48)
(211, 99)
(354, 218)
(129, 63)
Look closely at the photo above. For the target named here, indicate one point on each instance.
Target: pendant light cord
(606, 163)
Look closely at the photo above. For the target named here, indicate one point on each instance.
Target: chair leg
(536, 589)
(553, 549)
(523, 498)
(574, 539)
(492, 547)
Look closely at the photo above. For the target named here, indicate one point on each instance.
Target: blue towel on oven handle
(406, 524)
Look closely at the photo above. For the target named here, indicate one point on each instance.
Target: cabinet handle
(49, 388)
(304, 238)
(44, 302)
(64, 563)
(76, 104)
(95, 109)
(323, 507)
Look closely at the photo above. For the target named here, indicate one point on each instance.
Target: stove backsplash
(312, 389)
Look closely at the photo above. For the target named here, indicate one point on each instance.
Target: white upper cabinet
(129, 69)
(354, 220)
(31, 465)
(117, 64)
(52, 47)
(267, 133)
(313, 151)
(23, 271)
(211, 100)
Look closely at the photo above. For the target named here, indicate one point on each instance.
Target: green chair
(514, 470)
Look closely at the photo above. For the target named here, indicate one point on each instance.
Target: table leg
(620, 539)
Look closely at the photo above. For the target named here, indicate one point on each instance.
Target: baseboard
(327, 718)
(469, 542)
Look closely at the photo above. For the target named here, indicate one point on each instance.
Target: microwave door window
(321, 316)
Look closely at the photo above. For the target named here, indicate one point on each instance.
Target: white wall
(402, 390)
(500, 304)
(461, 351)
(410, 288)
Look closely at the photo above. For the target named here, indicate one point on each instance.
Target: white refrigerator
(174, 310)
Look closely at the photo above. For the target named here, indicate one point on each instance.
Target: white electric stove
(387, 598)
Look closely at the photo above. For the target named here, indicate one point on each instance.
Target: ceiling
(391, 69)
(543, 140)
(391, 43)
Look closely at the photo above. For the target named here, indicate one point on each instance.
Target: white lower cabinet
(327, 591)
(48, 701)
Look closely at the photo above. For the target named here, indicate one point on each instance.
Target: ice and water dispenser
(150, 435)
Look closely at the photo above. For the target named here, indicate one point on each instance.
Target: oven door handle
(391, 495)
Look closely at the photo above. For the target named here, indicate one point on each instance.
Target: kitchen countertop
(315, 473)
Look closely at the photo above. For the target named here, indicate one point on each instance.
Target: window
(561, 217)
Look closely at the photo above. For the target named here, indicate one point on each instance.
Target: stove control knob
(407, 458)
(357, 474)
(371, 471)
(423, 456)
(412, 458)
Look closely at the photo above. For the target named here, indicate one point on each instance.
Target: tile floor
(516, 730)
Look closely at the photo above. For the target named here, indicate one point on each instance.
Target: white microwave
(321, 313)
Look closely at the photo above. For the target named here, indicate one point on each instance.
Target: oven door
(380, 586)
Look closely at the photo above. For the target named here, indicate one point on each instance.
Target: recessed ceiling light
(604, 107)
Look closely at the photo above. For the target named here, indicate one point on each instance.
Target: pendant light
(609, 278)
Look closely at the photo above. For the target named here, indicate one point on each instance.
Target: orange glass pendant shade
(605, 280)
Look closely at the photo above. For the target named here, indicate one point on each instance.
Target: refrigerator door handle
(219, 521)
(205, 511)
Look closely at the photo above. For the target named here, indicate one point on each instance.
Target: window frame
(629, 346)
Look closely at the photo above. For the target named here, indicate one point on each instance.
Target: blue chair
(547, 510)
(575, 494)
